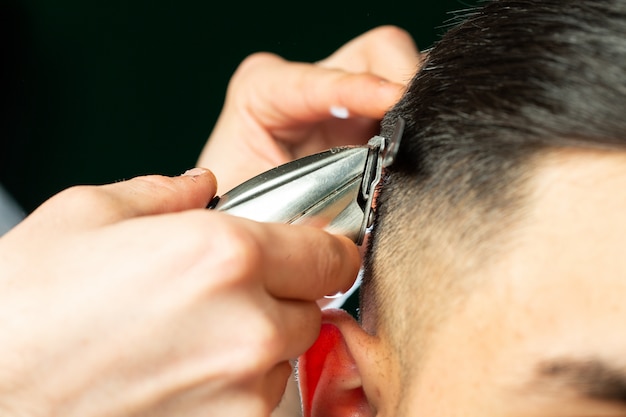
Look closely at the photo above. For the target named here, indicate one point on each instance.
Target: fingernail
(339, 112)
(194, 172)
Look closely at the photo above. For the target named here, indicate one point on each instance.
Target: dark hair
(516, 75)
(515, 78)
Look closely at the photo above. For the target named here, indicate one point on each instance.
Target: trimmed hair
(515, 80)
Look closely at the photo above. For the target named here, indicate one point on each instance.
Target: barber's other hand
(276, 110)
(130, 299)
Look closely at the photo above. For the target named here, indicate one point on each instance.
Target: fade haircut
(514, 81)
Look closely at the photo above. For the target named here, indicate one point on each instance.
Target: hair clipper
(333, 190)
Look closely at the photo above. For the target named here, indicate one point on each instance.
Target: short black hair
(516, 78)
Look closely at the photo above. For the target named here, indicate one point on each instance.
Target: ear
(330, 381)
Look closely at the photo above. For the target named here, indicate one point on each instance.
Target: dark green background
(97, 91)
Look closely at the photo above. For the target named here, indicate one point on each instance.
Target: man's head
(496, 272)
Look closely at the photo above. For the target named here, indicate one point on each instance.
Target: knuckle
(269, 338)
(253, 62)
(153, 183)
(283, 372)
(238, 252)
(82, 199)
(337, 267)
(79, 193)
(330, 259)
(148, 185)
(267, 345)
(222, 246)
(391, 34)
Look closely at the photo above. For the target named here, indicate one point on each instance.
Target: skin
(276, 110)
(557, 297)
(131, 299)
(264, 123)
(112, 309)
(539, 337)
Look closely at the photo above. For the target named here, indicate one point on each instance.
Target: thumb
(92, 206)
(157, 194)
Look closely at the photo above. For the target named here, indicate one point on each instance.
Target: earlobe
(329, 377)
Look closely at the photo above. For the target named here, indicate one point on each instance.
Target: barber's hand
(130, 299)
(276, 110)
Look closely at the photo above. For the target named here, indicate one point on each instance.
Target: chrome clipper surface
(333, 190)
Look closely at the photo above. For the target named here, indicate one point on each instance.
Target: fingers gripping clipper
(333, 190)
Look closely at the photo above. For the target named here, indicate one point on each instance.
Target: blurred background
(103, 90)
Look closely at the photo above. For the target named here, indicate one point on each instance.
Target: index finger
(387, 51)
(98, 205)
(318, 88)
(305, 263)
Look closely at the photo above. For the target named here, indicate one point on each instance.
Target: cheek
(461, 368)
(446, 385)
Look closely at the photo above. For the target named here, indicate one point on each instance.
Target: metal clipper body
(332, 190)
